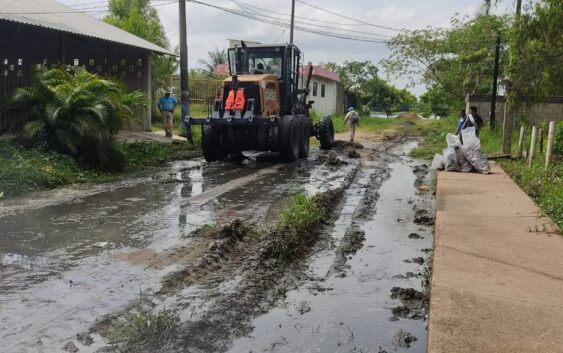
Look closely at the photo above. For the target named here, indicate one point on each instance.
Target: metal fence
(202, 94)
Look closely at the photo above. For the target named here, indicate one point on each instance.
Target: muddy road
(76, 262)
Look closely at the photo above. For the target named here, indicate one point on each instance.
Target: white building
(326, 91)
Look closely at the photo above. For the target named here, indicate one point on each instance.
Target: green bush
(77, 113)
(23, 169)
(558, 143)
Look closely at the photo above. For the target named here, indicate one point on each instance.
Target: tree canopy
(459, 60)
(216, 56)
(366, 90)
(536, 67)
(141, 19)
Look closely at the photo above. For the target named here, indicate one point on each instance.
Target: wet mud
(197, 242)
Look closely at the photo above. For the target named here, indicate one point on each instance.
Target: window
(323, 90)
(315, 89)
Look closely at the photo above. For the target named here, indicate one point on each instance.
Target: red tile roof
(321, 72)
(223, 70)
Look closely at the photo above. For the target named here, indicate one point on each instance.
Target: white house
(326, 91)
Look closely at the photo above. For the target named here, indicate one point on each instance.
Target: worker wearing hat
(167, 105)
(352, 120)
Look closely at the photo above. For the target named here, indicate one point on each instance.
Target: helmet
(350, 109)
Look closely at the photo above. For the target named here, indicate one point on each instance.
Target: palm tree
(76, 112)
(216, 56)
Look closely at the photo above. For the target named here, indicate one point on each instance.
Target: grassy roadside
(404, 123)
(545, 187)
(26, 169)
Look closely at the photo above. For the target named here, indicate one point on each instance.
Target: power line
(286, 14)
(350, 18)
(77, 11)
(276, 22)
(249, 7)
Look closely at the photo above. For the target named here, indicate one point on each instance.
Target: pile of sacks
(466, 157)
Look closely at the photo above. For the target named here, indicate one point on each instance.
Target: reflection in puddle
(196, 176)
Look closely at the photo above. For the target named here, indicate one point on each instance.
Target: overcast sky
(209, 27)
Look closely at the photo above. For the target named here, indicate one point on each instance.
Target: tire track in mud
(56, 318)
(237, 284)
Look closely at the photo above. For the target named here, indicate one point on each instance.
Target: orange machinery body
(269, 89)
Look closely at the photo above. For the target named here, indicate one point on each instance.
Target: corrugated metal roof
(54, 15)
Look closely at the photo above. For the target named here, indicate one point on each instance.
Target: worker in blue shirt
(166, 105)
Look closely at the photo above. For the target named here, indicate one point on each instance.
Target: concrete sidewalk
(149, 136)
(497, 282)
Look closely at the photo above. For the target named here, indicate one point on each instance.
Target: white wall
(324, 105)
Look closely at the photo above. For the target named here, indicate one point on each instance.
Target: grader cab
(263, 106)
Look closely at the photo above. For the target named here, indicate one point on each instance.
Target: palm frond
(33, 129)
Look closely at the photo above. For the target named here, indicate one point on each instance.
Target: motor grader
(263, 106)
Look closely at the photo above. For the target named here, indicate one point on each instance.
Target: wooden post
(541, 140)
(532, 145)
(550, 141)
(521, 141)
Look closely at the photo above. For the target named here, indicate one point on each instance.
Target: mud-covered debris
(418, 260)
(422, 218)
(403, 339)
(316, 288)
(407, 275)
(70, 347)
(401, 311)
(303, 308)
(367, 208)
(406, 294)
(343, 144)
(84, 339)
(420, 171)
(353, 241)
(351, 153)
(331, 159)
(415, 236)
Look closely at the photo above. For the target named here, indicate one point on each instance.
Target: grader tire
(305, 136)
(289, 138)
(326, 133)
(210, 144)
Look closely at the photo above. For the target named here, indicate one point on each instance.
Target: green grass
(371, 124)
(146, 329)
(300, 214)
(23, 170)
(26, 169)
(545, 187)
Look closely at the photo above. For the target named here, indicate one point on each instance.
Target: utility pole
(509, 104)
(292, 21)
(492, 121)
(184, 84)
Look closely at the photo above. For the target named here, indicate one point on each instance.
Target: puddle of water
(352, 314)
(67, 262)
